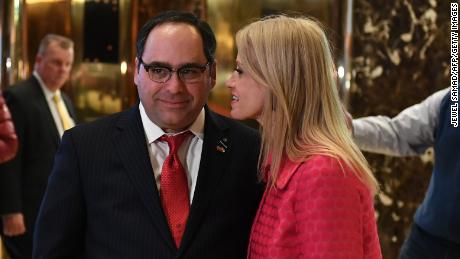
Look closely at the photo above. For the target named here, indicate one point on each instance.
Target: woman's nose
(229, 82)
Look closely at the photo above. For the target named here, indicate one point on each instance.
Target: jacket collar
(287, 170)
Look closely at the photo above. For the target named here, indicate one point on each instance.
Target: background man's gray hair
(63, 42)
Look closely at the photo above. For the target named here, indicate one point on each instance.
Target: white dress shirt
(52, 106)
(189, 152)
(411, 132)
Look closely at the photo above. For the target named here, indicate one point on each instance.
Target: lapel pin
(222, 143)
(221, 147)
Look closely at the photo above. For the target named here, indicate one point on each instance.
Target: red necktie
(174, 191)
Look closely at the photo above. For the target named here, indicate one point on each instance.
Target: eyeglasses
(190, 73)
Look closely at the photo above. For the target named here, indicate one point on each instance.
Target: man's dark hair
(207, 35)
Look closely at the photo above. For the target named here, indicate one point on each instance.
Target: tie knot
(56, 98)
(174, 141)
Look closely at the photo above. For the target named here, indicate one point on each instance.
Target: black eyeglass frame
(148, 67)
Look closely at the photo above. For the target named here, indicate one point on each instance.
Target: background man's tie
(63, 114)
(174, 191)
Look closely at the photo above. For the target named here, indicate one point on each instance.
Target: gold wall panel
(101, 88)
(226, 17)
(13, 42)
(45, 17)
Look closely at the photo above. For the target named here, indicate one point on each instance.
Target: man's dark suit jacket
(23, 180)
(102, 200)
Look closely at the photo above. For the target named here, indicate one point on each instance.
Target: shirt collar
(153, 132)
(48, 94)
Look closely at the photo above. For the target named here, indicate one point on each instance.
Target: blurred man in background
(41, 113)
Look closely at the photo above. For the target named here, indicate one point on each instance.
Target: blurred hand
(13, 224)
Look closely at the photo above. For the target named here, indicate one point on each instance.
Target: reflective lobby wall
(13, 42)
(100, 79)
(401, 55)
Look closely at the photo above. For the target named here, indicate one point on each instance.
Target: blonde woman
(318, 201)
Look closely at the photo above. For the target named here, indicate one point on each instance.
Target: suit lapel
(214, 157)
(131, 145)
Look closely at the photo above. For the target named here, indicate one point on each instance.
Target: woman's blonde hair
(302, 114)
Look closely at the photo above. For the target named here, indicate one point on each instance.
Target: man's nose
(174, 84)
(65, 68)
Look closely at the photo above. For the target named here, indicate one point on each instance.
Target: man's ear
(136, 71)
(38, 60)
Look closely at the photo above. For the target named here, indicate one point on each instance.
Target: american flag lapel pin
(221, 146)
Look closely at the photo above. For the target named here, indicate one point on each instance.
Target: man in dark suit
(40, 114)
(122, 187)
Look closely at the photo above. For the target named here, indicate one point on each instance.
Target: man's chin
(57, 85)
(176, 125)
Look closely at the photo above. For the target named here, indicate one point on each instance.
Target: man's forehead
(174, 30)
(174, 41)
(175, 25)
(54, 47)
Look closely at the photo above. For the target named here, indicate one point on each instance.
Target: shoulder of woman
(326, 170)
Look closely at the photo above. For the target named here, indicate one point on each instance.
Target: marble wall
(401, 55)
